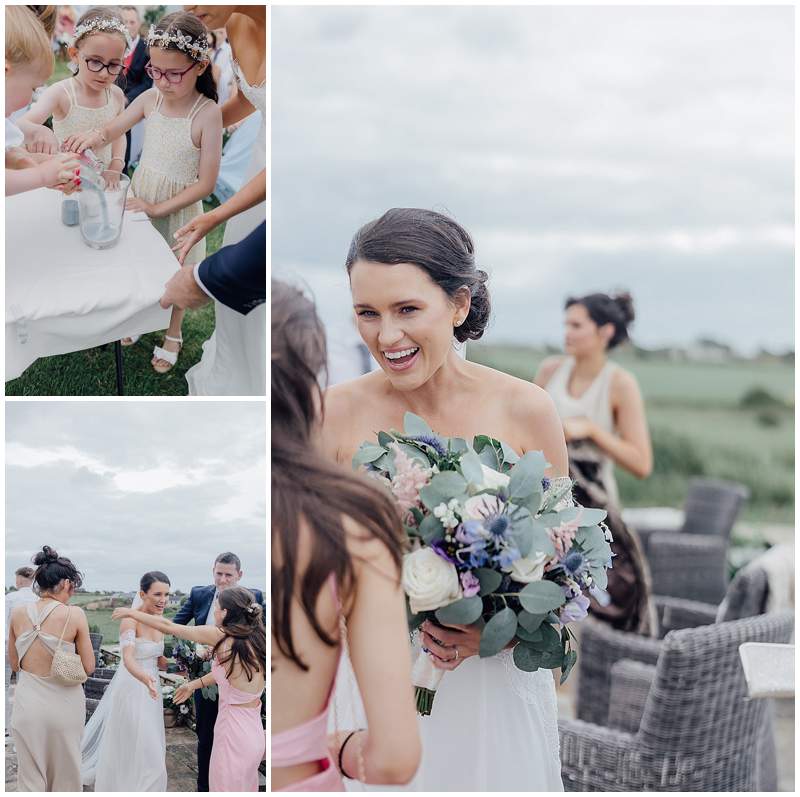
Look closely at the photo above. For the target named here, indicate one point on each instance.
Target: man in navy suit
(199, 607)
(235, 276)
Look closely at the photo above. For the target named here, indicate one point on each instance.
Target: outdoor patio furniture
(683, 723)
(711, 508)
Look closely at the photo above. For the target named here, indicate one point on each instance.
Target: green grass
(699, 427)
(110, 628)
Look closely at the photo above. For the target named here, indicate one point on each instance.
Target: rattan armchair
(683, 724)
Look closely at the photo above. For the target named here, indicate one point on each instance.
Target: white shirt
(14, 136)
(19, 598)
(210, 618)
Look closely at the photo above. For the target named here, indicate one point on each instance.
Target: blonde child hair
(26, 40)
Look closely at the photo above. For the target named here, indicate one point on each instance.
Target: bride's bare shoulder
(524, 399)
(343, 404)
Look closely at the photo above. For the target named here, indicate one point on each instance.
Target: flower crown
(196, 49)
(97, 24)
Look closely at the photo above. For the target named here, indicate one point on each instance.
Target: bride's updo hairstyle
(244, 625)
(52, 569)
(436, 244)
(153, 577)
(604, 309)
(308, 490)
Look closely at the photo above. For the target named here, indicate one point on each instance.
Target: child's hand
(134, 203)
(112, 179)
(59, 170)
(81, 141)
(188, 235)
(43, 140)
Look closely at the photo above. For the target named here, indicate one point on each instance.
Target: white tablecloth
(62, 296)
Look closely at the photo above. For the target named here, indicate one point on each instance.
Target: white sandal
(168, 356)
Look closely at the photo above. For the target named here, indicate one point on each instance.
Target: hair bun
(45, 556)
(624, 302)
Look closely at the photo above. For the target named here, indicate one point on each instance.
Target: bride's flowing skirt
(124, 745)
(492, 728)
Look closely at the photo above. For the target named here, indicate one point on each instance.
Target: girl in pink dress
(238, 669)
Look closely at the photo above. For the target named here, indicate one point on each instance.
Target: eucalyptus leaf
(417, 515)
(585, 517)
(499, 631)
(526, 658)
(526, 477)
(490, 580)
(459, 445)
(528, 636)
(414, 620)
(509, 455)
(522, 534)
(471, 468)
(541, 539)
(386, 463)
(600, 576)
(414, 452)
(530, 622)
(567, 664)
(431, 529)
(414, 426)
(449, 484)
(366, 454)
(541, 597)
(385, 439)
(488, 456)
(550, 639)
(463, 612)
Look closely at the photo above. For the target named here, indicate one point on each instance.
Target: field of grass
(699, 427)
(101, 618)
(92, 372)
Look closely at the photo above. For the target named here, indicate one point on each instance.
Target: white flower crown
(100, 25)
(198, 50)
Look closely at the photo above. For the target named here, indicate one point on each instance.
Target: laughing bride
(124, 746)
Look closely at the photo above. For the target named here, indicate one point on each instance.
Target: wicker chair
(97, 640)
(689, 566)
(95, 686)
(711, 508)
(601, 646)
(682, 725)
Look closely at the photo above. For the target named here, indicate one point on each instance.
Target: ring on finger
(455, 658)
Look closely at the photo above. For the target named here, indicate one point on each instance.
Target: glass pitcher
(102, 208)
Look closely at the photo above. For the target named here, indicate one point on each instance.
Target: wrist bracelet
(202, 685)
(341, 753)
(121, 160)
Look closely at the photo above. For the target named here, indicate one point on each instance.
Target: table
(768, 669)
(62, 296)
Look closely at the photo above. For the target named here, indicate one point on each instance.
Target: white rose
(493, 479)
(429, 581)
(479, 506)
(528, 568)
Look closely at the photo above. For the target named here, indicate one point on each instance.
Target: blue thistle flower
(498, 525)
(573, 561)
(432, 441)
(545, 483)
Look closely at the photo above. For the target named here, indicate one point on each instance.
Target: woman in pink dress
(238, 668)
(336, 549)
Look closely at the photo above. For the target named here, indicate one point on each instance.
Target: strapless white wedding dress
(124, 747)
(234, 361)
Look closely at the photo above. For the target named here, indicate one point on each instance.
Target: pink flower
(470, 584)
(563, 536)
(410, 477)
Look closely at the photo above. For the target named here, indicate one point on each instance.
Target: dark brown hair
(604, 309)
(439, 246)
(189, 25)
(305, 486)
(244, 626)
(52, 569)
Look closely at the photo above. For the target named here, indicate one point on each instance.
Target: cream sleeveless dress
(80, 119)
(47, 718)
(234, 361)
(169, 164)
(595, 404)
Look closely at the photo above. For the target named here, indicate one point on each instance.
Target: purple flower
(545, 483)
(575, 610)
(441, 547)
(432, 441)
(470, 584)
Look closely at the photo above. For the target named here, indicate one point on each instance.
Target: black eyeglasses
(172, 75)
(93, 65)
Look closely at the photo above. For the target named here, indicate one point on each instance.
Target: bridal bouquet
(493, 542)
(190, 659)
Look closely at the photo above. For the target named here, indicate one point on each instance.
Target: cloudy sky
(584, 148)
(123, 488)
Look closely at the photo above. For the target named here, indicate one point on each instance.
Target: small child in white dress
(89, 99)
(182, 143)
